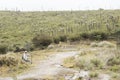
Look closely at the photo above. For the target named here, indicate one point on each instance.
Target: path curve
(51, 66)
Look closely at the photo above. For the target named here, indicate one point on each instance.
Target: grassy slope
(17, 28)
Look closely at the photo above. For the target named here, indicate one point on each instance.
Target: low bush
(74, 38)
(81, 64)
(113, 61)
(96, 62)
(56, 40)
(17, 49)
(63, 38)
(8, 60)
(69, 62)
(3, 49)
(42, 41)
(93, 74)
(115, 68)
(95, 35)
(12, 63)
(84, 35)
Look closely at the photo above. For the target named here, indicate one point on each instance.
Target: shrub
(83, 64)
(113, 61)
(10, 48)
(12, 63)
(17, 49)
(74, 38)
(84, 35)
(115, 68)
(3, 49)
(8, 60)
(116, 33)
(114, 75)
(56, 40)
(96, 62)
(42, 41)
(97, 35)
(69, 62)
(80, 64)
(93, 74)
(63, 38)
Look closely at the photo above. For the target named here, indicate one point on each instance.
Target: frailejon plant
(18, 27)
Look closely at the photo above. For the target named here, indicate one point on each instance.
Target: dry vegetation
(99, 59)
(34, 31)
(12, 64)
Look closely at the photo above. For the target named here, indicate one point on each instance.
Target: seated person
(26, 56)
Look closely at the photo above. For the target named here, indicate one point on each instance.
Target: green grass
(19, 28)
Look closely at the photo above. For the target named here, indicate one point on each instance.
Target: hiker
(26, 56)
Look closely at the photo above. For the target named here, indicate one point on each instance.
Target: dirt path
(51, 66)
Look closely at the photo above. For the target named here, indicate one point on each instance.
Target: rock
(68, 77)
(102, 44)
(51, 46)
(94, 44)
(106, 44)
(81, 75)
(58, 65)
(104, 77)
(76, 57)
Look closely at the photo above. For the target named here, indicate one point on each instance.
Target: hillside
(19, 28)
(65, 44)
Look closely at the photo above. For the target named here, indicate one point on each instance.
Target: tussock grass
(11, 64)
(69, 62)
(8, 60)
(114, 61)
(93, 74)
(115, 68)
(101, 59)
(103, 44)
